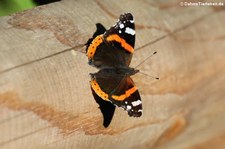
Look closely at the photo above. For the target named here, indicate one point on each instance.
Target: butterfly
(111, 52)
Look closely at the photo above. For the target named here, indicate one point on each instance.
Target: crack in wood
(37, 60)
(137, 49)
(22, 136)
(176, 31)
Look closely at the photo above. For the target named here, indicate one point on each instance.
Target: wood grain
(45, 98)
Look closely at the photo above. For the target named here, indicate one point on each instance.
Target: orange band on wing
(94, 44)
(98, 90)
(126, 95)
(123, 43)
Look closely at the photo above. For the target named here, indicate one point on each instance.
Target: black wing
(106, 107)
(116, 46)
(118, 89)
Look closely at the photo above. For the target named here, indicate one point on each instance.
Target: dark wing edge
(107, 109)
(100, 29)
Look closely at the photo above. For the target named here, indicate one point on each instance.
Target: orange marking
(98, 90)
(123, 43)
(126, 95)
(94, 44)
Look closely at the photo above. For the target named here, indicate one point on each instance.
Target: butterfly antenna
(146, 59)
(157, 78)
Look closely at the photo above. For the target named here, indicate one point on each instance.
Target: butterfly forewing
(122, 36)
(124, 28)
(116, 46)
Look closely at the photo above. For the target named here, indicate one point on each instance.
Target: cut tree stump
(45, 97)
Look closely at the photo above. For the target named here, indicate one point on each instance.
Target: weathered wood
(45, 99)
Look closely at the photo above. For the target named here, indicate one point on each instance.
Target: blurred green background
(8, 7)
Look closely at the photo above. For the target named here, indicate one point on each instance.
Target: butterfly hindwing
(117, 89)
(127, 96)
(107, 109)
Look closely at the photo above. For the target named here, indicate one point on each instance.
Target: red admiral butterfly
(111, 52)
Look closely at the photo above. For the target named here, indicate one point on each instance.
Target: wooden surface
(45, 98)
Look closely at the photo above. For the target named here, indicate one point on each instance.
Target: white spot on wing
(128, 107)
(120, 31)
(136, 103)
(131, 21)
(121, 26)
(129, 31)
(140, 110)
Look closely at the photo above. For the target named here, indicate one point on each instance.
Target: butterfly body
(111, 52)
